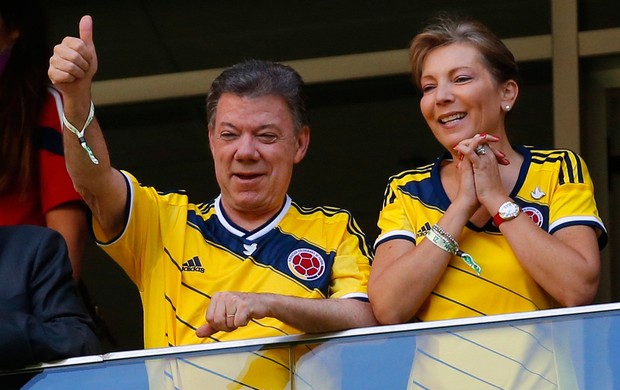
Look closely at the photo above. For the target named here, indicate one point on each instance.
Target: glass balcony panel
(562, 348)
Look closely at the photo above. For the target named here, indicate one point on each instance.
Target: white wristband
(446, 242)
(80, 133)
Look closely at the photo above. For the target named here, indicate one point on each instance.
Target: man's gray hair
(255, 78)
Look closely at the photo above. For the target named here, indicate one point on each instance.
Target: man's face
(254, 148)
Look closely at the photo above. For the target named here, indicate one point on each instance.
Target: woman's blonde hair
(447, 30)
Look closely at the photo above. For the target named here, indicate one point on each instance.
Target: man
(254, 261)
(41, 315)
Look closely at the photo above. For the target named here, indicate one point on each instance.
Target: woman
(35, 188)
(488, 228)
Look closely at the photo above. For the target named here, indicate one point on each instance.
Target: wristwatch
(507, 211)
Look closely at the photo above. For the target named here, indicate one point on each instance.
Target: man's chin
(255, 202)
(248, 201)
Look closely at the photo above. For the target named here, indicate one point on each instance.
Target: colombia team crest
(534, 215)
(306, 264)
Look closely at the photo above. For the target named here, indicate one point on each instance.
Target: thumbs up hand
(74, 62)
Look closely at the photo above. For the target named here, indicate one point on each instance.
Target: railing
(561, 348)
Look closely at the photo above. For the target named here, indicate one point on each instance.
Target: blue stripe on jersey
(565, 157)
(579, 169)
(490, 282)
(202, 293)
(203, 368)
(390, 199)
(389, 196)
(209, 297)
(205, 207)
(418, 171)
(444, 363)
(352, 227)
(176, 264)
(272, 249)
(175, 191)
(257, 354)
(181, 320)
(46, 138)
(458, 303)
(424, 191)
(569, 168)
(504, 356)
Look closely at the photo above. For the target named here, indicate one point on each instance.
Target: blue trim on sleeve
(394, 237)
(602, 238)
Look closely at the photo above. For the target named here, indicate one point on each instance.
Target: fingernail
(483, 134)
(460, 156)
(455, 145)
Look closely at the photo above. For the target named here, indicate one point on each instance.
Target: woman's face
(460, 96)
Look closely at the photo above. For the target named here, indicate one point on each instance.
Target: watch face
(509, 210)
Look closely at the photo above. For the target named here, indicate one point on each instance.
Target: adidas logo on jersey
(193, 265)
(423, 230)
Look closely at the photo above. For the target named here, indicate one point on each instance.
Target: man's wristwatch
(507, 211)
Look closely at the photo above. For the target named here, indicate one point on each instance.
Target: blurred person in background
(41, 315)
(35, 188)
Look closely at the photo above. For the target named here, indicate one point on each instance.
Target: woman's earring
(507, 107)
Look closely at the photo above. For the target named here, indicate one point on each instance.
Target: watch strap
(497, 219)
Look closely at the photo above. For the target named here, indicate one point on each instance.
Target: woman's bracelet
(446, 242)
(80, 133)
(444, 234)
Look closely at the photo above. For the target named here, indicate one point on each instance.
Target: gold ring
(229, 315)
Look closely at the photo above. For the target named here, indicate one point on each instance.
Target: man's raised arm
(71, 70)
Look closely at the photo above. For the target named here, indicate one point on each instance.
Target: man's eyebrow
(266, 126)
(227, 124)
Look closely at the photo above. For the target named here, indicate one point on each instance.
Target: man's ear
(303, 141)
(210, 130)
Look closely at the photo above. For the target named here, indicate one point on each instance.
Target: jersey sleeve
(573, 201)
(393, 220)
(141, 237)
(55, 184)
(351, 268)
